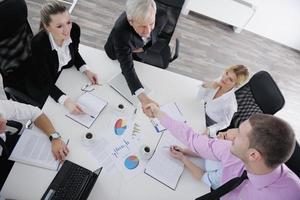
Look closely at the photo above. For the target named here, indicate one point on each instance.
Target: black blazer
(123, 40)
(44, 66)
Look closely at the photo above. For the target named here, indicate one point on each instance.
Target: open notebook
(173, 111)
(92, 106)
(34, 148)
(162, 166)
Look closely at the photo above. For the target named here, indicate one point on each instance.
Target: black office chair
(159, 54)
(294, 162)
(260, 95)
(12, 137)
(18, 96)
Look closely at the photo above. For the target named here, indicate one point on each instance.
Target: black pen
(172, 147)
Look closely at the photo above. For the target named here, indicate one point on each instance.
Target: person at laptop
(134, 31)
(10, 110)
(253, 164)
(54, 49)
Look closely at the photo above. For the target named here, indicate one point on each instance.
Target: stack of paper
(162, 166)
(92, 106)
(34, 148)
(173, 111)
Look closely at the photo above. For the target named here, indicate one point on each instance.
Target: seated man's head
(141, 16)
(264, 139)
(234, 76)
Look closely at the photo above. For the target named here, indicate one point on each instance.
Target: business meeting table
(30, 182)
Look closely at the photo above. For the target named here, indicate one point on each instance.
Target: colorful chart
(131, 162)
(120, 127)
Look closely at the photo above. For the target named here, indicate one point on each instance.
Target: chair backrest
(266, 92)
(172, 8)
(294, 162)
(260, 95)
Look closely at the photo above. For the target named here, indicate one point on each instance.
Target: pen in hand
(172, 147)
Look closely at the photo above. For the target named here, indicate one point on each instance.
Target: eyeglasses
(88, 87)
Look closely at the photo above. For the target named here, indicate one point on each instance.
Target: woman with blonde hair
(219, 98)
(54, 49)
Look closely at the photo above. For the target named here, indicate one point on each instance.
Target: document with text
(92, 106)
(34, 148)
(162, 166)
(173, 111)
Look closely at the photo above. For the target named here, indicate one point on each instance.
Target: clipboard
(162, 162)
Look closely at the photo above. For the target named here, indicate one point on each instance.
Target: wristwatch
(54, 136)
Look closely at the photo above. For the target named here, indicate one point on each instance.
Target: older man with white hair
(134, 31)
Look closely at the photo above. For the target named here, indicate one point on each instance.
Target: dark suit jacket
(123, 40)
(44, 66)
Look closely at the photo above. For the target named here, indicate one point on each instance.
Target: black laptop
(72, 182)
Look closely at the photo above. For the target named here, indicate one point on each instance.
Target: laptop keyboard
(71, 185)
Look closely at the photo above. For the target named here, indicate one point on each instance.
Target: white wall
(278, 20)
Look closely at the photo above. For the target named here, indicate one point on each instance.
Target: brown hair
(241, 72)
(272, 137)
(52, 7)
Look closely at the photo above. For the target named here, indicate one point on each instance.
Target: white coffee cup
(146, 152)
(88, 138)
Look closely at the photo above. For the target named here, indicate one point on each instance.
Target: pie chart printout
(120, 127)
(131, 162)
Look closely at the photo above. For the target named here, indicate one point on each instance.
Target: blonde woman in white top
(220, 106)
(220, 100)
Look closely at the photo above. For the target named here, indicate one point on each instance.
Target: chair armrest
(177, 44)
(20, 97)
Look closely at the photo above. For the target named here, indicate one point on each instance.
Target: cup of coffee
(121, 107)
(146, 152)
(88, 138)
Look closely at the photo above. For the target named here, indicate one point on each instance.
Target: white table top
(29, 182)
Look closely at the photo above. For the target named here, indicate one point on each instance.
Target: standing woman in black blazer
(54, 49)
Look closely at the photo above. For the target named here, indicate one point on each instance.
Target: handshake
(152, 110)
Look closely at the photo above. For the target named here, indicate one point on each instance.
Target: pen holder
(146, 152)
(88, 138)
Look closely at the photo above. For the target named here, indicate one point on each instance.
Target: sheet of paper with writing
(34, 148)
(162, 166)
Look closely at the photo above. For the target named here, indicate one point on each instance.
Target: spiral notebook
(92, 106)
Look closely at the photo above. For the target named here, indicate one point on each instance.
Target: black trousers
(6, 165)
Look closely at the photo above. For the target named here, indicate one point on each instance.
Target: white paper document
(173, 111)
(126, 157)
(34, 148)
(97, 150)
(162, 166)
(92, 106)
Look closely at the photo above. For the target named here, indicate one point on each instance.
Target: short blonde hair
(139, 9)
(241, 72)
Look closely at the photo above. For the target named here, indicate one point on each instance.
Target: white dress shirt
(11, 110)
(220, 109)
(64, 57)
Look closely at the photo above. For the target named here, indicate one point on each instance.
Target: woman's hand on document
(91, 76)
(73, 107)
(59, 149)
